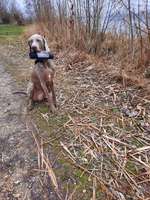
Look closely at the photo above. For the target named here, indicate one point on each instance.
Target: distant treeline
(10, 13)
(86, 23)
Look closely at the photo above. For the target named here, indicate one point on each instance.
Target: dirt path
(18, 158)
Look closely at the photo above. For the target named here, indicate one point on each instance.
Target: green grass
(10, 31)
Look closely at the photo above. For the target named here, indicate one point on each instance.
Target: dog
(41, 86)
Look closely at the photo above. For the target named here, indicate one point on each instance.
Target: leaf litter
(107, 132)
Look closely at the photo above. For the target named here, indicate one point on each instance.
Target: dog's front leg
(54, 97)
(39, 73)
(30, 103)
(50, 86)
(48, 96)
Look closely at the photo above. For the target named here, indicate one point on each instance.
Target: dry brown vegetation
(102, 126)
(106, 128)
(112, 29)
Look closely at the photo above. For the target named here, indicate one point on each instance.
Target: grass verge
(7, 31)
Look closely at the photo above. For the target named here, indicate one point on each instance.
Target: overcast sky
(20, 3)
(134, 3)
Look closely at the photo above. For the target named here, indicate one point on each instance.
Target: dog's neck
(41, 61)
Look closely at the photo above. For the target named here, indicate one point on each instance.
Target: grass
(13, 36)
(10, 31)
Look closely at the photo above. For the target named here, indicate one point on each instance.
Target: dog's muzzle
(34, 49)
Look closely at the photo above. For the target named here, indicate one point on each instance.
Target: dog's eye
(38, 40)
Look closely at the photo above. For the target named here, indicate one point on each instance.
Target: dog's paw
(30, 106)
(52, 109)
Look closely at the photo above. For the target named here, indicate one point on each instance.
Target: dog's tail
(20, 92)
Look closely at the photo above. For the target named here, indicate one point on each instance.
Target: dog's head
(38, 43)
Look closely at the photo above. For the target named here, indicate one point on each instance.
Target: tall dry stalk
(91, 24)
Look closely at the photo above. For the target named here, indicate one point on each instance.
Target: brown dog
(41, 86)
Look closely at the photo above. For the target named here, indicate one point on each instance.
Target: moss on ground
(131, 167)
(67, 172)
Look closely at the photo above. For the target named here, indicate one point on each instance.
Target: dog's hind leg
(30, 103)
(51, 85)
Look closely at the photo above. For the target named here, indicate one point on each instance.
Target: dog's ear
(29, 44)
(46, 48)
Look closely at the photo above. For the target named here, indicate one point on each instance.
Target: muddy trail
(18, 156)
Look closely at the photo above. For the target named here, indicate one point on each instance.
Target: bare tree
(4, 12)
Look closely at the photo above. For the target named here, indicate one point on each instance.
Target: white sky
(134, 3)
(141, 2)
(21, 3)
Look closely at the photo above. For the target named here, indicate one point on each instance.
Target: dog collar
(39, 61)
